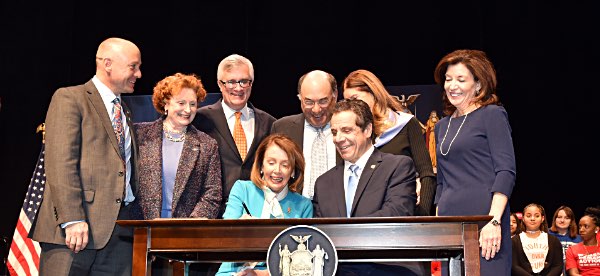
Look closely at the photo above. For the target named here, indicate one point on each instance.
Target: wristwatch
(494, 222)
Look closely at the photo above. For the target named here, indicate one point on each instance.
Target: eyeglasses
(322, 102)
(232, 83)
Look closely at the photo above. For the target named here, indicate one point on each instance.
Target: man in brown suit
(90, 170)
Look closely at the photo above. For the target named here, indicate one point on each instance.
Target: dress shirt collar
(325, 128)
(269, 195)
(230, 112)
(105, 93)
(362, 161)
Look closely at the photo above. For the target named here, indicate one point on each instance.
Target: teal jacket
(293, 205)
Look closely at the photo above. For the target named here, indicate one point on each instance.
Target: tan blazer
(85, 174)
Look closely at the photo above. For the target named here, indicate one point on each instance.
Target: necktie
(117, 124)
(318, 159)
(351, 190)
(238, 135)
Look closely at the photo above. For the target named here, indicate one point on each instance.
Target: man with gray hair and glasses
(236, 124)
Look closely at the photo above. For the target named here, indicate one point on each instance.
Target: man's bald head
(114, 46)
(118, 64)
(317, 91)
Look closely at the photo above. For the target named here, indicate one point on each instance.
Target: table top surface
(480, 220)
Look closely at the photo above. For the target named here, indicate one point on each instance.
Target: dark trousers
(114, 259)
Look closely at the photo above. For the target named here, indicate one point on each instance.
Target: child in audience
(564, 227)
(534, 251)
(515, 224)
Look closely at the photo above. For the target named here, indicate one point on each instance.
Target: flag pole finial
(42, 128)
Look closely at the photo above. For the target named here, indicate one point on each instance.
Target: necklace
(532, 232)
(174, 136)
(443, 140)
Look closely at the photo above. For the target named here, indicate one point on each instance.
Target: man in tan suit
(90, 170)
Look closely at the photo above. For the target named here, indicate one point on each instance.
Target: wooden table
(453, 238)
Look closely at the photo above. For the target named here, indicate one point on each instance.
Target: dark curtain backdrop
(545, 56)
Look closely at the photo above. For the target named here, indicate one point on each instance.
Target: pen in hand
(246, 209)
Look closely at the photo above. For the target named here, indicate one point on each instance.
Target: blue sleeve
(501, 149)
(308, 210)
(234, 208)
(227, 269)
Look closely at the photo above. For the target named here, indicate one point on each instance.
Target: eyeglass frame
(230, 84)
(311, 103)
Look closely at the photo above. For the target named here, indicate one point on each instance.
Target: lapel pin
(289, 210)
(373, 166)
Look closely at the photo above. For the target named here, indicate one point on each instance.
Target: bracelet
(494, 222)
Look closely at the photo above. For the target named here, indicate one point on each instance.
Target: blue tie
(351, 189)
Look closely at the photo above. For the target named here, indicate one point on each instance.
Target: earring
(166, 112)
(293, 175)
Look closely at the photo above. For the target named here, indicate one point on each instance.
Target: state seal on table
(302, 250)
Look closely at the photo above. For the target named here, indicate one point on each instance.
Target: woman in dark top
(396, 132)
(476, 166)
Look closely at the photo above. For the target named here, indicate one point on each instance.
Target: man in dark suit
(317, 91)
(234, 77)
(90, 170)
(385, 185)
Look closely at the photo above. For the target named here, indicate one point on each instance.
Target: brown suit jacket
(85, 174)
(197, 191)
